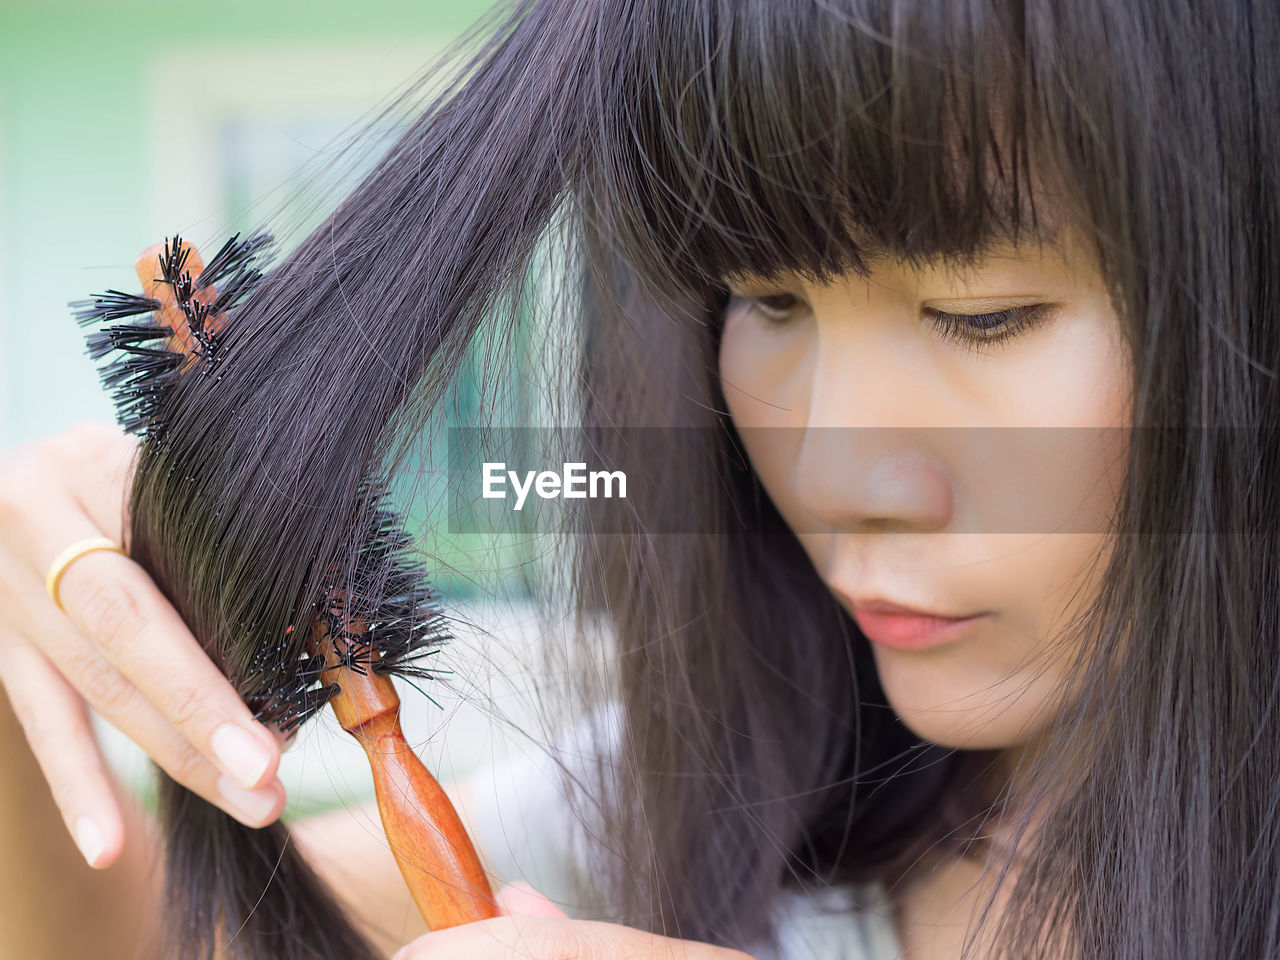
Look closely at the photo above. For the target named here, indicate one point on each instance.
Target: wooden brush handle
(435, 855)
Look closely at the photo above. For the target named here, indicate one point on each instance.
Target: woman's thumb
(521, 900)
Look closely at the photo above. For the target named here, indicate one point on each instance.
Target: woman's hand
(533, 928)
(120, 647)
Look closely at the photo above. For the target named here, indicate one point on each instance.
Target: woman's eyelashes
(775, 307)
(975, 330)
(970, 329)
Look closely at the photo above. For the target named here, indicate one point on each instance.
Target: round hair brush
(343, 646)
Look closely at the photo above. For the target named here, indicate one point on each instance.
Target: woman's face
(944, 439)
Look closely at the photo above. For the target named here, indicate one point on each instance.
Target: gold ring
(74, 552)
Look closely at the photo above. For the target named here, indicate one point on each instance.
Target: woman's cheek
(764, 373)
(764, 370)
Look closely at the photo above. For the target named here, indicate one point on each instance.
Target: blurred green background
(123, 122)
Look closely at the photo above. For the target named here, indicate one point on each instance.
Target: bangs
(758, 137)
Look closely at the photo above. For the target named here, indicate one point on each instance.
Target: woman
(996, 271)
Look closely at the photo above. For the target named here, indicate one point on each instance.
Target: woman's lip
(876, 605)
(911, 631)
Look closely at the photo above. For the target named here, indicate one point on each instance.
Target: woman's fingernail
(89, 840)
(254, 805)
(241, 755)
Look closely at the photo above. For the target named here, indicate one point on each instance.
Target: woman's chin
(958, 729)
(966, 713)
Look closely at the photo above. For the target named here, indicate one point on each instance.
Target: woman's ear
(521, 900)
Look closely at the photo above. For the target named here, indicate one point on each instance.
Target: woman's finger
(550, 938)
(124, 706)
(114, 696)
(113, 601)
(119, 645)
(502, 938)
(57, 728)
(521, 899)
(556, 938)
(101, 493)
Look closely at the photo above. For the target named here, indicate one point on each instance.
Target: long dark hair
(662, 146)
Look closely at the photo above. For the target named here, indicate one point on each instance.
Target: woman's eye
(977, 329)
(776, 308)
(972, 329)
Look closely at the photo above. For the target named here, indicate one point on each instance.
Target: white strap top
(524, 829)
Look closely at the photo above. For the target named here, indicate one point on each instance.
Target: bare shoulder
(349, 850)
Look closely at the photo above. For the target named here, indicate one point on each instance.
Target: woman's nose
(872, 480)
(866, 462)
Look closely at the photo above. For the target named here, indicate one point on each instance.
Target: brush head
(383, 618)
(180, 311)
(175, 329)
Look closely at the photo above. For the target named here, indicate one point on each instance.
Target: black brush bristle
(139, 377)
(403, 617)
(173, 265)
(233, 257)
(111, 305)
(235, 269)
